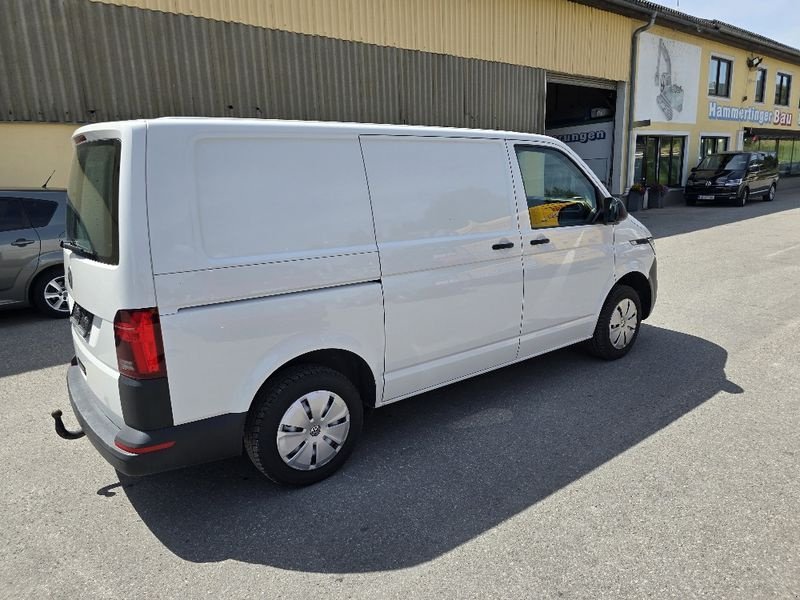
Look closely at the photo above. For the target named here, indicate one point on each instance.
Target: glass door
(659, 159)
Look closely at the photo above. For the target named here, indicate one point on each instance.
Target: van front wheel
(303, 425)
(618, 325)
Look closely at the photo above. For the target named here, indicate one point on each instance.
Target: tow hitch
(61, 429)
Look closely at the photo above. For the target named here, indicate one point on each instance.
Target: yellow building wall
(743, 85)
(32, 151)
(552, 34)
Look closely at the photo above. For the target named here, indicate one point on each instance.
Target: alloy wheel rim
(313, 430)
(55, 294)
(771, 192)
(623, 324)
(745, 195)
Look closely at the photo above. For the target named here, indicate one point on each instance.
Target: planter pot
(655, 200)
(634, 201)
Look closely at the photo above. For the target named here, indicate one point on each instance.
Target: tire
(770, 195)
(281, 403)
(602, 343)
(744, 196)
(43, 294)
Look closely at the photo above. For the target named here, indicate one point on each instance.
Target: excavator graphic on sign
(670, 97)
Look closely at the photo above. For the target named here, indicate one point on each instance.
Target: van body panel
(103, 289)
(440, 205)
(219, 356)
(223, 195)
(568, 276)
(101, 378)
(566, 282)
(213, 286)
(628, 257)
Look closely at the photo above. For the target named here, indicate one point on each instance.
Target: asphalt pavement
(673, 473)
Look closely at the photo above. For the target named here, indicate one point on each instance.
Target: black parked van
(734, 177)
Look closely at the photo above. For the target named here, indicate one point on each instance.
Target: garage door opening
(583, 117)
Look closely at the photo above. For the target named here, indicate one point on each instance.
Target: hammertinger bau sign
(750, 114)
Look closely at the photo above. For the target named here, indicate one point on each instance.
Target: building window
(783, 88)
(659, 159)
(712, 145)
(761, 84)
(719, 77)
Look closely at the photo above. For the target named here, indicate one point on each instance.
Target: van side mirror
(693, 169)
(613, 210)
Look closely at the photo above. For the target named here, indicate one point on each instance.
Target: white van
(252, 285)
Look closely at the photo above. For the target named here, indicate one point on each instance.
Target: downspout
(632, 93)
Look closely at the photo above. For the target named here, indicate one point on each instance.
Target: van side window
(558, 193)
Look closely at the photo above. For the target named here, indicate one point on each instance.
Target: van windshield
(93, 202)
(731, 162)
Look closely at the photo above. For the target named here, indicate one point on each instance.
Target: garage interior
(583, 116)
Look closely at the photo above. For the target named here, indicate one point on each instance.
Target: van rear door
(106, 256)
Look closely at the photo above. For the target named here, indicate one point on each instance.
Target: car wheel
(770, 195)
(49, 294)
(744, 196)
(618, 325)
(303, 425)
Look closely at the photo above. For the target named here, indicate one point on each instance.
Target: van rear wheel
(770, 195)
(618, 325)
(304, 425)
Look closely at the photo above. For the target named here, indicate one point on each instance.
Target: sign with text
(749, 114)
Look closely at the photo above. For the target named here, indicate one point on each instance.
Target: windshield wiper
(76, 247)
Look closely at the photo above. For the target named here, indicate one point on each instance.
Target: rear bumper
(182, 445)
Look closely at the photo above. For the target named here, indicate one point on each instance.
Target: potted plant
(636, 196)
(655, 195)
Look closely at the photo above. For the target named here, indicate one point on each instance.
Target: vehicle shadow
(31, 342)
(437, 470)
(675, 220)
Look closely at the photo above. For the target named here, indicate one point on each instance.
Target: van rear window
(93, 201)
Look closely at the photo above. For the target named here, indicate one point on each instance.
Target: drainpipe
(632, 93)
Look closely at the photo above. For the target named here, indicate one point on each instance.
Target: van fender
(293, 348)
(632, 264)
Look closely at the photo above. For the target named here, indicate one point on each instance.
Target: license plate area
(706, 197)
(81, 320)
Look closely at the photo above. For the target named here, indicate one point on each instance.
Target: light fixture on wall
(754, 61)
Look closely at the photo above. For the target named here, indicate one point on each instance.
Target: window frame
(729, 83)
(522, 195)
(718, 138)
(761, 71)
(26, 224)
(780, 77)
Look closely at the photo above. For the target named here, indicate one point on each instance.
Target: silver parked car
(32, 224)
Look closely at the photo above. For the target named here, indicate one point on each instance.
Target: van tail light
(140, 349)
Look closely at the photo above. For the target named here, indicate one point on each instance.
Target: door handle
(21, 242)
(503, 246)
(538, 241)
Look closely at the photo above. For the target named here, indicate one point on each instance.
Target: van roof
(322, 127)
